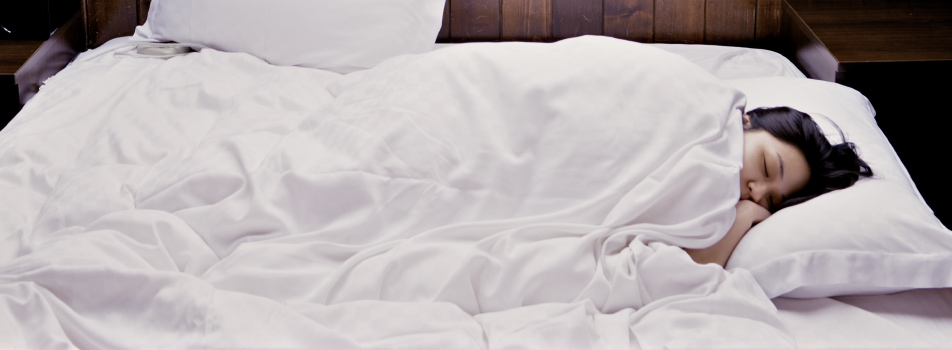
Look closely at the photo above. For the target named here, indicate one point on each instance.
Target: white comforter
(483, 195)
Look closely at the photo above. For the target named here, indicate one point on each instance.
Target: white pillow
(875, 237)
(337, 35)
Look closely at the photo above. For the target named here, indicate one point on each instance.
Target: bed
(202, 183)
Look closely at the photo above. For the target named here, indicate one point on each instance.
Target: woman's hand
(748, 214)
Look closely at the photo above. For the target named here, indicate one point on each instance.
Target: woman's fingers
(752, 211)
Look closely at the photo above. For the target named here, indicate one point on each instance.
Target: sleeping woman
(787, 160)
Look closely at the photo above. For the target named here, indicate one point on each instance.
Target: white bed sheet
(212, 200)
(915, 319)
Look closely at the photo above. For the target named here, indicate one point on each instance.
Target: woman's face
(773, 170)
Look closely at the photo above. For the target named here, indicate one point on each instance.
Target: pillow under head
(874, 237)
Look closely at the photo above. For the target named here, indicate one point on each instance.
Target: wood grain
(730, 22)
(444, 34)
(679, 21)
(474, 20)
(142, 10)
(107, 19)
(629, 19)
(767, 30)
(526, 20)
(805, 49)
(573, 18)
(13, 53)
(880, 30)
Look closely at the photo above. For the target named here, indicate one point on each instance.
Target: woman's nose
(758, 194)
(756, 191)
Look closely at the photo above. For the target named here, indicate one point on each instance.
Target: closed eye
(770, 201)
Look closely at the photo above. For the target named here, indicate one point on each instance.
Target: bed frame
(749, 23)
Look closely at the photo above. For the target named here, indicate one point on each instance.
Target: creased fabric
(478, 196)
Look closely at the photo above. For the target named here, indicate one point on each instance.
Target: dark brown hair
(832, 167)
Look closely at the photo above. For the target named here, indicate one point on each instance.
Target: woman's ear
(746, 121)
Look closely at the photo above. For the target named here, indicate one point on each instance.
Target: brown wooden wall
(107, 19)
(754, 23)
(727, 22)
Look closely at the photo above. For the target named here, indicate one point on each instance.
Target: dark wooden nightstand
(13, 55)
(898, 54)
(25, 65)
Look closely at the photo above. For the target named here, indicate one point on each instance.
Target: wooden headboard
(751, 23)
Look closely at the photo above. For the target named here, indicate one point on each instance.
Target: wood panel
(143, 10)
(767, 32)
(679, 21)
(14, 53)
(858, 31)
(730, 22)
(444, 34)
(629, 19)
(573, 18)
(107, 19)
(474, 20)
(529, 20)
(805, 49)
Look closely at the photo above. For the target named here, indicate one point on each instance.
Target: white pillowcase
(874, 237)
(337, 35)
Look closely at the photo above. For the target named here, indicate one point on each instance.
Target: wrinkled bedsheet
(494, 195)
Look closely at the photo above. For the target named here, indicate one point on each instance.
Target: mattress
(917, 319)
(211, 203)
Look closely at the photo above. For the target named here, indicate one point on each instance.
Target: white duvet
(477, 196)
